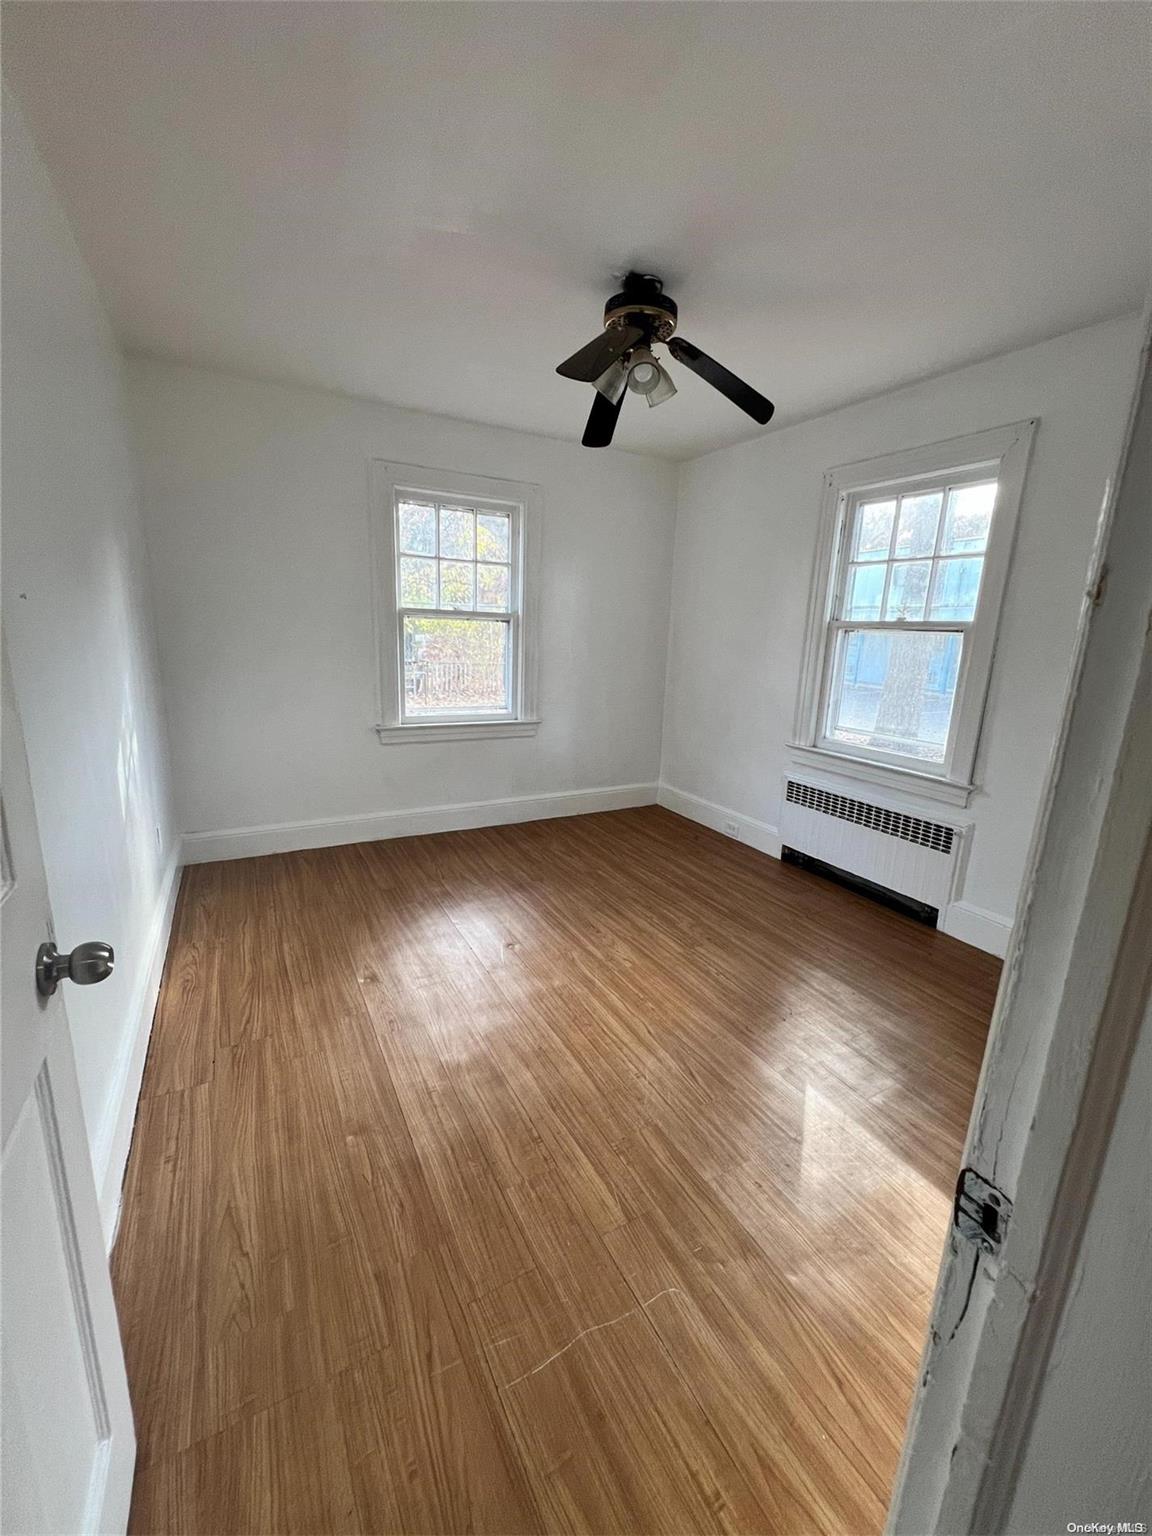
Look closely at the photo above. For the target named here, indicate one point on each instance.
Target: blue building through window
(866, 663)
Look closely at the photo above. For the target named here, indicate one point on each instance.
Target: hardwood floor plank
(284, 1470)
(786, 1399)
(487, 1244)
(618, 1443)
(428, 1447)
(538, 1179)
(193, 1005)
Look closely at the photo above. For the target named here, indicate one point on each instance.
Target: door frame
(1076, 984)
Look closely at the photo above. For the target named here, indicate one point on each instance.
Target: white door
(68, 1444)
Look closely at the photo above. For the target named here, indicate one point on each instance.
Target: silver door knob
(88, 963)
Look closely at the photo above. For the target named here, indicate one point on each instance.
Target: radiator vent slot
(913, 829)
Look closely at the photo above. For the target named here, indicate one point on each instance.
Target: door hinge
(981, 1211)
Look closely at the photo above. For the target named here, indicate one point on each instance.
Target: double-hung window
(906, 604)
(456, 610)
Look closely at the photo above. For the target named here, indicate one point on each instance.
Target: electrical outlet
(731, 829)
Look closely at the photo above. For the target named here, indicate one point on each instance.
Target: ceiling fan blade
(714, 373)
(591, 361)
(601, 421)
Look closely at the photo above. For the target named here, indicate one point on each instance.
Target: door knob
(86, 964)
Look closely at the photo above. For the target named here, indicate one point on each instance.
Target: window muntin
(906, 593)
(457, 608)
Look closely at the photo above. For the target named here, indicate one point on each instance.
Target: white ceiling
(426, 203)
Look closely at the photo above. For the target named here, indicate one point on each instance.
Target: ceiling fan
(622, 359)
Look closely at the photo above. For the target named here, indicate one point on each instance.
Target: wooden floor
(586, 1175)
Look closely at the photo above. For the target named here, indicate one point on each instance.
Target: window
(914, 556)
(906, 601)
(452, 579)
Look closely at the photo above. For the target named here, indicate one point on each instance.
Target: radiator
(902, 852)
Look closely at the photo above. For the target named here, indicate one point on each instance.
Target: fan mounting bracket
(643, 303)
(657, 323)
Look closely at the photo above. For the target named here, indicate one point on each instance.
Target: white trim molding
(1001, 453)
(984, 930)
(734, 824)
(114, 1135)
(475, 730)
(904, 781)
(333, 832)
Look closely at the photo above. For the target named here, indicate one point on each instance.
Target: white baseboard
(757, 834)
(110, 1153)
(974, 925)
(290, 836)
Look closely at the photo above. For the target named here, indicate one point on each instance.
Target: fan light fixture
(664, 389)
(644, 372)
(621, 359)
(646, 377)
(613, 381)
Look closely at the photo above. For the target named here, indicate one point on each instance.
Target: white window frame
(521, 501)
(1001, 454)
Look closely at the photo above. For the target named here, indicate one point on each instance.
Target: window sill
(455, 730)
(926, 785)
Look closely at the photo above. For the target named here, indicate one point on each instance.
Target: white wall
(256, 497)
(76, 622)
(745, 545)
(256, 503)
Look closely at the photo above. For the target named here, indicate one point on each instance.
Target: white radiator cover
(904, 850)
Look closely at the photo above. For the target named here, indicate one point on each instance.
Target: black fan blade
(590, 362)
(714, 373)
(601, 421)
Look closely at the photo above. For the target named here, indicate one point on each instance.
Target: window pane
(491, 536)
(908, 590)
(916, 533)
(417, 528)
(968, 519)
(865, 592)
(457, 587)
(417, 583)
(893, 691)
(455, 666)
(873, 530)
(492, 588)
(457, 533)
(956, 589)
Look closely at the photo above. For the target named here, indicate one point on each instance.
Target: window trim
(1002, 452)
(523, 501)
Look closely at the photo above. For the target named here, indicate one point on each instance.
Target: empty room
(567, 969)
